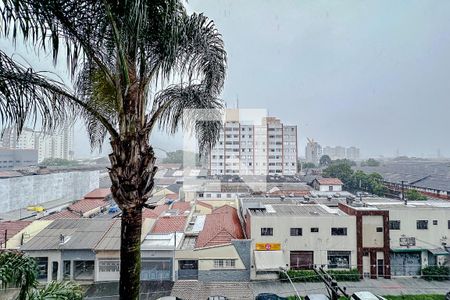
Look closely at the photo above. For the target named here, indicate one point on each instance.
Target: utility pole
(6, 236)
(293, 286)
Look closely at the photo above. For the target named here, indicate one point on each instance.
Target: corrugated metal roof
(79, 234)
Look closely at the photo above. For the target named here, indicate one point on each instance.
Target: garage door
(302, 260)
(156, 270)
(405, 263)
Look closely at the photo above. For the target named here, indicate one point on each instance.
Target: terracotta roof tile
(11, 228)
(332, 181)
(181, 206)
(98, 194)
(85, 205)
(168, 224)
(220, 227)
(154, 213)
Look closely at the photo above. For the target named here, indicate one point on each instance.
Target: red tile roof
(168, 224)
(220, 227)
(329, 181)
(154, 213)
(65, 214)
(85, 205)
(98, 194)
(204, 204)
(11, 228)
(182, 206)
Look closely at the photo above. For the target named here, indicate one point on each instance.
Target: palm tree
(19, 270)
(123, 57)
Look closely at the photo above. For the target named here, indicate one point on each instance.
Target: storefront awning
(438, 251)
(411, 249)
(269, 260)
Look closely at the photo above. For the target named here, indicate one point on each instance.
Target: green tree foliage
(349, 162)
(343, 171)
(415, 195)
(20, 271)
(370, 163)
(325, 160)
(308, 165)
(59, 162)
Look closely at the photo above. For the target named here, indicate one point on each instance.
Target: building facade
(254, 149)
(16, 158)
(56, 145)
(313, 151)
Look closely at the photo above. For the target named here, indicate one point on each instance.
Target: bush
(310, 276)
(436, 273)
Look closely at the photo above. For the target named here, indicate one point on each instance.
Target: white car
(366, 296)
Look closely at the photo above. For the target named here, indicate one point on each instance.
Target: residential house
(327, 184)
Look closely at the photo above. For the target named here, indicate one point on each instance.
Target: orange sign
(268, 246)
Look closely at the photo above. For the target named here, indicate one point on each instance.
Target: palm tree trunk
(130, 254)
(132, 172)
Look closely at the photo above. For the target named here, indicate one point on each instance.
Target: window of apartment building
(394, 225)
(379, 229)
(224, 263)
(296, 231)
(200, 195)
(208, 195)
(338, 259)
(315, 229)
(422, 224)
(435, 222)
(448, 224)
(267, 231)
(219, 195)
(338, 231)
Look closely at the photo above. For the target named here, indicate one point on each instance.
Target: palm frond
(18, 270)
(61, 290)
(190, 107)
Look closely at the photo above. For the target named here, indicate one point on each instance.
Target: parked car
(316, 297)
(366, 296)
(269, 296)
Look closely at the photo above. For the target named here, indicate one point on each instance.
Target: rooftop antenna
(237, 101)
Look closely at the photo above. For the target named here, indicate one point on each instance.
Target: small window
(296, 231)
(339, 231)
(267, 231)
(394, 225)
(422, 224)
(379, 229)
(330, 188)
(314, 229)
(448, 224)
(224, 263)
(435, 222)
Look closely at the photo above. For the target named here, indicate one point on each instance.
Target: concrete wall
(20, 192)
(372, 238)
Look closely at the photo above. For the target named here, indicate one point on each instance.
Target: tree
(325, 160)
(308, 165)
(370, 163)
(121, 56)
(19, 270)
(415, 195)
(342, 171)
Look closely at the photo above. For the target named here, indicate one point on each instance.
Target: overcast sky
(370, 74)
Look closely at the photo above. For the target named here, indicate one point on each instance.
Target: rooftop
(11, 228)
(100, 193)
(298, 210)
(78, 234)
(221, 226)
(164, 241)
(168, 224)
(329, 181)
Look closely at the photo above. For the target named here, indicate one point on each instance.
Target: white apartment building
(268, 148)
(56, 145)
(309, 234)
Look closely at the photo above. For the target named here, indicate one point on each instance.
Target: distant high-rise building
(339, 152)
(313, 151)
(267, 148)
(353, 153)
(56, 145)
